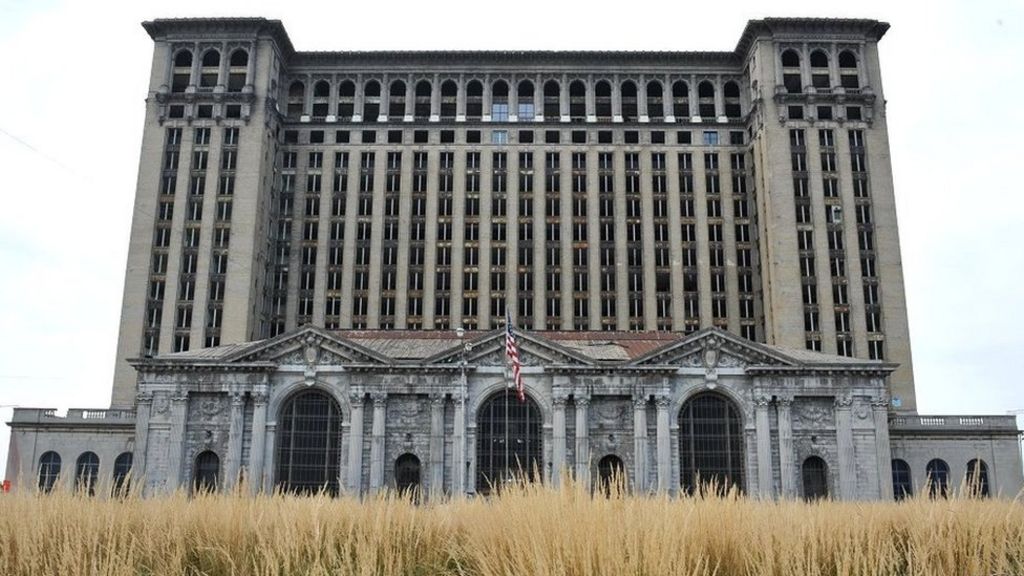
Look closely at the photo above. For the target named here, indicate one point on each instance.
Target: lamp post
(462, 463)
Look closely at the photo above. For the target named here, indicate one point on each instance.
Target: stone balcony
(74, 417)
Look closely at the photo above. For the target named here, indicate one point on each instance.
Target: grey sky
(71, 111)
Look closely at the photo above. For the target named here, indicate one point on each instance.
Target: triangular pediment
(489, 350)
(309, 345)
(712, 348)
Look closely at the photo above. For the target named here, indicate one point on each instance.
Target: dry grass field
(532, 531)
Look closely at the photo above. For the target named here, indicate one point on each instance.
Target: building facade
(699, 250)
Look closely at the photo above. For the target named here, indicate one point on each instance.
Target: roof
(169, 28)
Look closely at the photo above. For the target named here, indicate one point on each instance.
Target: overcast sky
(71, 110)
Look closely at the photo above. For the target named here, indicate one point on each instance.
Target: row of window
(87, 469)
(503, 136)
(499, 101)
(937, 476)
(207, 74)
(820, 74)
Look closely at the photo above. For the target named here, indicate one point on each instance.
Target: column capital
(880, 402)
(355, 398)
(784, 401)
(640, 401)
(144, 398)
(761, 401)
(437, 400)
(843, 401)
(260, 398)
(663, 401)
(180, 397)
(380, 399)
(581, 400)
(558, 401)
(237, 400)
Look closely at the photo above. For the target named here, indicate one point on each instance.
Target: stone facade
(659, 226)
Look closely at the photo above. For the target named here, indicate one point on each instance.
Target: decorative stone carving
(210, 408)
(813, 413)
(662, 401)
(844, 401)
(762, 400)
(380, 399)
(640, 401)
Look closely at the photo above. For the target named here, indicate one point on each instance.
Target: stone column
(179, 413)
(844, 443)
(582, 439)
(764, 446)
(513, 112)
(880, 410)
(640, 442)
(435, 99)
(664, 444)
(355, 443)
(459, 442)
(591, 100)
(268, 458)
(235, 433)
(616, 100)
(641, 100)
(222, 70)
(259, 431)
(719, 98)
(250, 70)
(558, 436)
(668, 100)
(460, 100)
(385, 99)
(784, 405)
(357, 104)
(486, 99)
(143, 409)
(437, 402)
(380, 403)
(694, 101)
(410, 99)
(563, 99)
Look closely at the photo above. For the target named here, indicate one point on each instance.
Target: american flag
(512, 352)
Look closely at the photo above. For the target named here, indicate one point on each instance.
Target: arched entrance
(407, 473)
(710, 443)
(814, 473)
(508, 442)
(611, 472)
(207, 472)
(309, 443)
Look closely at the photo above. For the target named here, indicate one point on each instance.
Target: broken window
(499, 101)
(296, 98)
(628, 101)
(182, 71)
(603, 101)
(655, 101)
(680, 100)
(371, 101)
(525, 93)
(731, 91)
(552, 99)
(239, 62)
(706, 100)
(208, 74)
(346, 100)
(396, 99)
(321, 96)
(421, 108)
(449, 99)
(577, 101)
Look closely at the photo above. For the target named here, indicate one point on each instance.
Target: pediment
(310, 346)
(490, 351)
(711, 349)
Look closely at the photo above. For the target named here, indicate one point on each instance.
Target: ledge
(913, 424)
(74, 417)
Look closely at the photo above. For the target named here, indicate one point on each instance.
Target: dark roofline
(872, 29)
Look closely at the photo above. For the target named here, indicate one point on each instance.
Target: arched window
(238, 69)
(577, 101)
(499, 101)
(819, 70)
(296, 98)
(552, 99)
(628, 101)
(346, 99)
(321, 99)
(655, 101)
(791, 74)
(710, 443)
(371, 101)
(474, 100)
(731, 92)
(977, 478)
(210, 69)
(407, 473)
(309, 443)
(206, 477)
(396, 99)
(680, 100)
(508, 440)
(902, 484)
(421, 110)
(848, 73)
(524, 93)
(122, 473)
(87, 470)
(603, 101)
(790, 59)
(937, 472)
(449, 99)
(182, 74)
(611, 473)
(706, 99)
(49, 471)
(815, 477)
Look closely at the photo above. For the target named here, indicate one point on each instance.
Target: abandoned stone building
(698, 250)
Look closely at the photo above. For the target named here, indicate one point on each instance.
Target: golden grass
(530, 531)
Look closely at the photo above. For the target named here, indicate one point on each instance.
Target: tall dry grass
(527, 531)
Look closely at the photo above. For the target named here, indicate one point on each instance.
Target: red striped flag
(512, 352)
